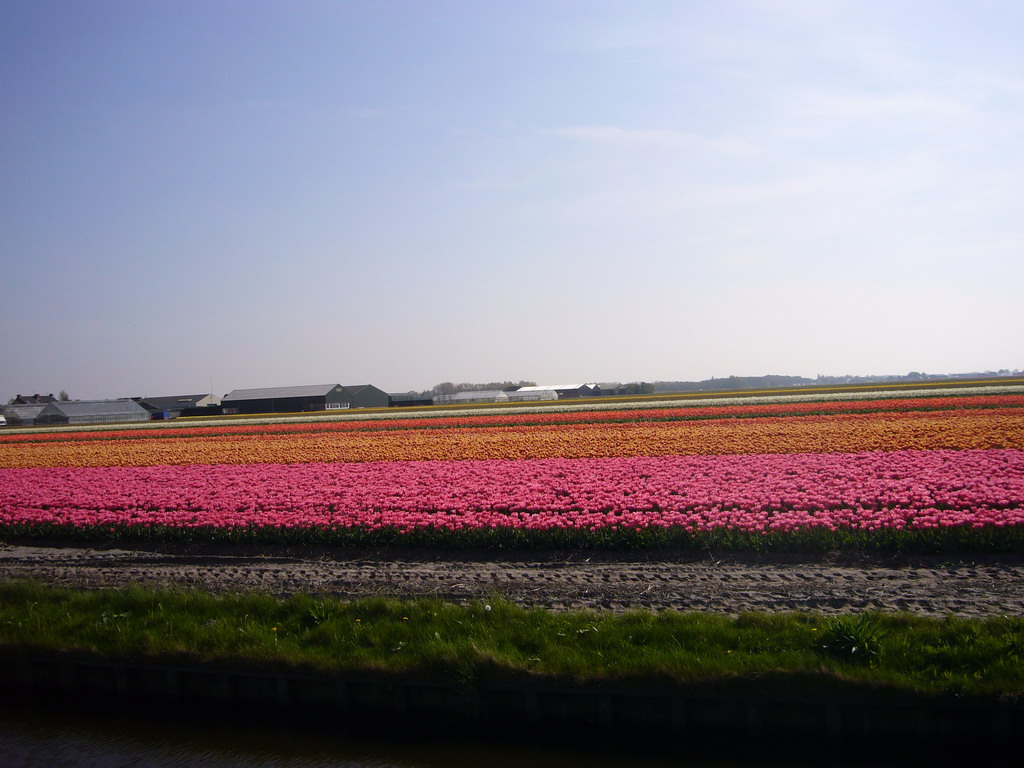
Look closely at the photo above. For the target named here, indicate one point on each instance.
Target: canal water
(34, 735)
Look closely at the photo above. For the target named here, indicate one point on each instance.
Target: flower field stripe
(841, 433)
(905, 392)
(902, 490)
(667, 413)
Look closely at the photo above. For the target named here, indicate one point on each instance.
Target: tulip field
(923, 473)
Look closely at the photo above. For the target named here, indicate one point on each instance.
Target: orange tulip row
(997, 428)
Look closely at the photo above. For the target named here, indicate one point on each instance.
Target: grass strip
(496, 641)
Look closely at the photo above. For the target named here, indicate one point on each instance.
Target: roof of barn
(478, 394)
(99, 407)
(546, 387)
(272, 393)
(23, 410)
(171, 402)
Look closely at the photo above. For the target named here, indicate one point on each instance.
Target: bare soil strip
(938, 585)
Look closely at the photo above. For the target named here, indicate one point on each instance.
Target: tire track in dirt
(923, 585)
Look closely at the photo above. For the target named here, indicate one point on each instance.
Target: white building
(478, 396)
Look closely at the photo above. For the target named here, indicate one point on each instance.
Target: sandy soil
(730, 584)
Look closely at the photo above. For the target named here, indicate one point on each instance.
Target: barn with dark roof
(172, 406)
(310, 397)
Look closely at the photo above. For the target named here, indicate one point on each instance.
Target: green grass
(498, 641)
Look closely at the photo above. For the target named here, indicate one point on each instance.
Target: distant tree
(637, 388)
(449, 388)
(63, 396)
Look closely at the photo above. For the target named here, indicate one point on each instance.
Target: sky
(205, 196)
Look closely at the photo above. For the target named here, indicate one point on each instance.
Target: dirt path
(934, 585)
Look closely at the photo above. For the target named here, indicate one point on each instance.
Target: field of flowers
(924, 472)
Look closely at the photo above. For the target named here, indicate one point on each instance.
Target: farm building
(36, 399)
(407, 400)
(473, 396)
(21, 415)
(122, 411)
(528, 394)
(173, 406)
(564, 390)
(366, 396)
(312, 397)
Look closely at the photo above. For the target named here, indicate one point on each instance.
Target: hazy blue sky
(402, 193)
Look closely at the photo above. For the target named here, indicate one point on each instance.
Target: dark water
(38, 736)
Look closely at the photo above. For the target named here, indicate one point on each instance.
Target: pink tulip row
(789, 492)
